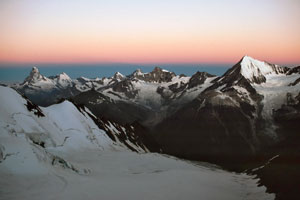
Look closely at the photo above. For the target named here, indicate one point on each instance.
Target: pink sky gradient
(149, 31)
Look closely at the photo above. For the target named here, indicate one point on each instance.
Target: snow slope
(252, 68)
(127, 175)
(64, 155)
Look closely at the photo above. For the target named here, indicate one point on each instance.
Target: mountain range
(247, 119)
(63, 151)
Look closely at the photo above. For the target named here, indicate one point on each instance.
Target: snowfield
(64, 155)
(128, 175)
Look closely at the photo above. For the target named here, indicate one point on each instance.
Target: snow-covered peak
(251, 67)
(63, 79)
(256, 71)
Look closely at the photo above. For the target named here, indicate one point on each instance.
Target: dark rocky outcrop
(198, 79)
(293, 70)
(209, 129)
(157, 75)
(295, 82)
(132, 135)
(281, 175)
(125, 87)
(118, 111)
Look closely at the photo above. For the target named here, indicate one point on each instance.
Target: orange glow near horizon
(136, 34)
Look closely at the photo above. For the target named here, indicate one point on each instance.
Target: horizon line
(116, 63)
(131, 63)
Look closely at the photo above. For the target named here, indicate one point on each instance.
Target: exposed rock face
(297, 81)
(281, 173)
(125, 87)
(287, 119)
(293, 70)
(157, 75)
(118, 76)
(198, 78)
(213, 128)
(120, 112)
(132, 135)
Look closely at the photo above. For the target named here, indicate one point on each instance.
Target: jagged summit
(35, 70)
(34, 76)
(156, 75)
(157, 69)
(137, 74)
(118, 76)
(160, 75)
(35, 73)
(199, 78)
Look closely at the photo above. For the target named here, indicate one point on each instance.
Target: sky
(149, 31)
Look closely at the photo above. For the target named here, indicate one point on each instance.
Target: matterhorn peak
(35, 70)
(34, 76)
(35, 73)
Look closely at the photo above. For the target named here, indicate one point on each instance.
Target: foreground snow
(64, 155)
(128, 175)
